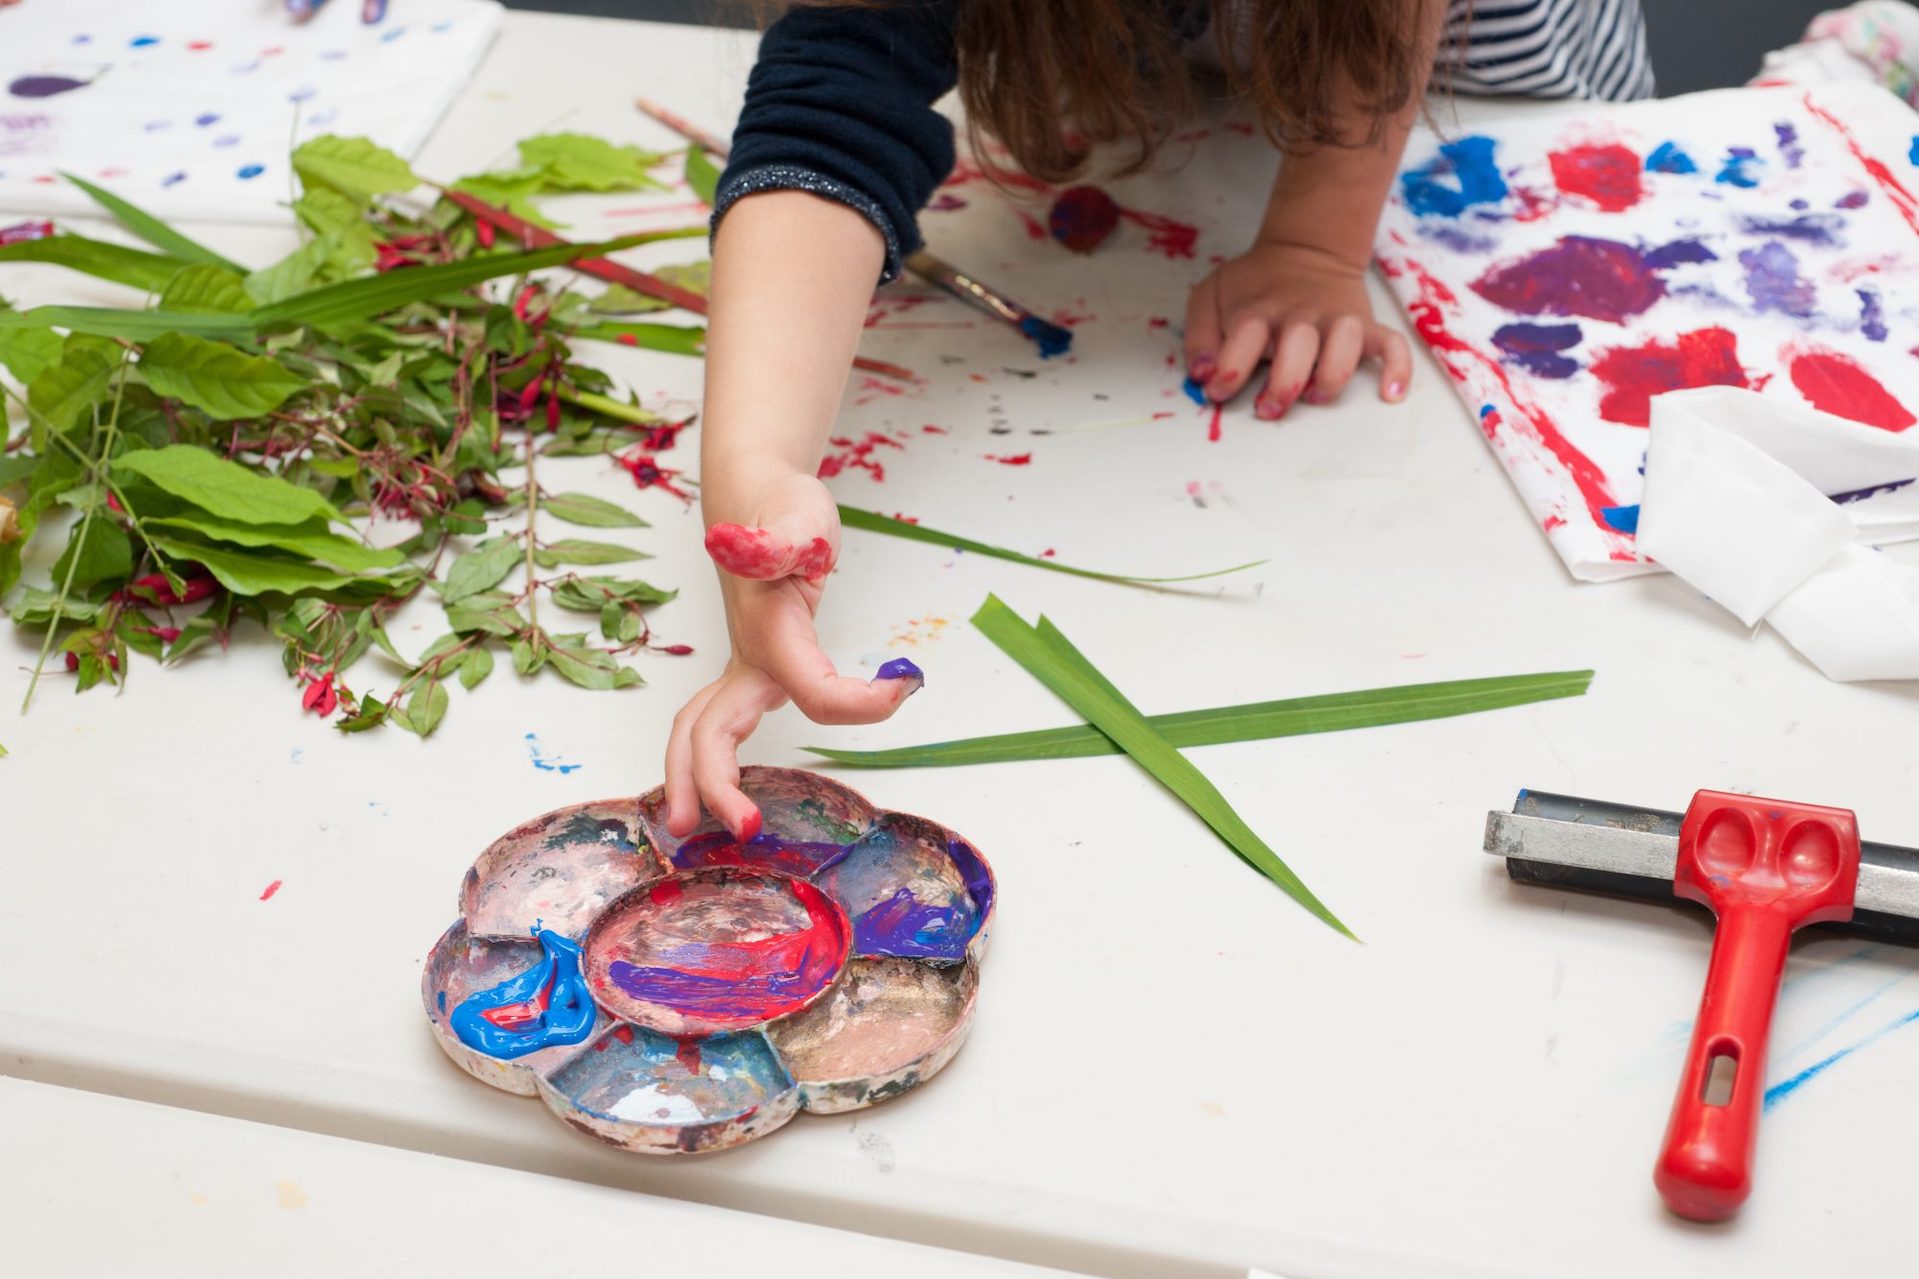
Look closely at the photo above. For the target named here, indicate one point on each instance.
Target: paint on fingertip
(750, 828)
(901, 668)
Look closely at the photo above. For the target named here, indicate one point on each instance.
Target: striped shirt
(1545, 49)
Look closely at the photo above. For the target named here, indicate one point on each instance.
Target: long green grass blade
(135, 268)
(874, 522)
(135, 326)
(1053, 660)
(364, 298)
(152, 229)
(1247, 722)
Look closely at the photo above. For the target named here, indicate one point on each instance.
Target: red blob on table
(1634, 374)
(1082, 218)
(1607, 175)
(1833, 383)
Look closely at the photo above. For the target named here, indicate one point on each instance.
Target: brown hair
(1046, 78)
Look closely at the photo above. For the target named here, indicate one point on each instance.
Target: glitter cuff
(792, 177)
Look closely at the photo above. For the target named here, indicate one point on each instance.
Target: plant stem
(79, 542)
(532, 510)
(608, 407)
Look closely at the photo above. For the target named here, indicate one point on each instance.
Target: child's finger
(728, 719)
(682, 794)
(1339, 352)
(1202, 329)
(765, 555)
(1388, 346)
(793, 659)
(1246, 342)
(1293, 358)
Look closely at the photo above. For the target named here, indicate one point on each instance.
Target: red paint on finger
(762, 555)
(749, 826)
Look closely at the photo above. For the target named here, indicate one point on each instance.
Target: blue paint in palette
(546, 1005)
(1462, 175)
(1668, 158)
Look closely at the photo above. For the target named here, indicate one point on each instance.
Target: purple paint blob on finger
(901, 668)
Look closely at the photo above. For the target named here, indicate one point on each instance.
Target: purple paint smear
(1537, 348)
(1789, 148)
(1678, 253)
(1872, 315)
(1824, 229)
(1851, 200)
(1580, 275)
(45, 86)
(907, 927)
(1773, 280)
(1456, 238)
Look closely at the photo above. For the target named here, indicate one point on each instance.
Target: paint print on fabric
(189, 108)
(1566, 270)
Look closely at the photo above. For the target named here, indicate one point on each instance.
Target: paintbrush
(1052, 339)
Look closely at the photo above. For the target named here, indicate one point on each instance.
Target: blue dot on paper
(210, 117)
(142, 42)
(243, 68)
(154, 126)
(443, 26)
(173, 179)
(252, 171)
(302, 93)
(1912, 153)
(231, 139)
(83, 39)
(393, 35)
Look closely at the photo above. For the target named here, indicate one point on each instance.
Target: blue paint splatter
(901, 668)
(1912, 152)
(1860, 495)
(1623, 518)
(83, 39)
(393, 35)
(250, 171)
(1194, 391)
(209, 118)
(1872, 315)
(1052, 339)
(1538, 348)
(1677, 253)
(302, 93)
(442, 1003)
(229, 140)
(1456, 237)
(173, 179)
(245, 68)
(143, 42)
(1792, 1084)
(543, 1006)
(1668, 158)
(1737, 168)
(1476, 179)
(544, 762)
(1823, 229)
(1789, 148)
(154, 126)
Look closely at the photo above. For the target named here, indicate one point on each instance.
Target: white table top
(192, 1194)
(1174, 1071)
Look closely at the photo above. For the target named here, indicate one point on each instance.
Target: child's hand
(773, 566)
(1302, 308)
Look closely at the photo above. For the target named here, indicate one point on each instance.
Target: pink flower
(320, 697)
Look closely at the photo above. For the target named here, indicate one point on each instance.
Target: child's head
(1047, 77)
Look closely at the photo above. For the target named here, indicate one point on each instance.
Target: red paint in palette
(1634, 374)
(1607, 175)
(1833, 383)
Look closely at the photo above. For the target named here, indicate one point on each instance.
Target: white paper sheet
(189, 108)
(1773, 510)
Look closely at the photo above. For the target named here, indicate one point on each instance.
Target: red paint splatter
(930, 429)
(1550, 523)
(25, 231)
(1165, 235)
(1532, 205)
(1458, 356)
(688, 1055)
(266, 894)
(1048, 553)
(906, 519)
(1847, 272)
(1082, 217)
(1035, 229)
(199, 46)
(763, 555)
(1901, 198)
(1010, 459)
(1607, 175)
(857, 456)
(1157, 322)
(1833, 383)
(1634, 374)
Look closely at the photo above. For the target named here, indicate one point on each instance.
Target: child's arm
(792, 276)
(1298, 295)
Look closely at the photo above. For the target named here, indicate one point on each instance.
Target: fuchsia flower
(648, 473)
(155, 588)
(320, 697)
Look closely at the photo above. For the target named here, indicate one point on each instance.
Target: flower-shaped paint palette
(679, 995)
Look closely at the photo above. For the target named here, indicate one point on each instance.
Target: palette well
(678, 995)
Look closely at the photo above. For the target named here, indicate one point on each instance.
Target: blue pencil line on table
(544, 762)
(1788, 1086)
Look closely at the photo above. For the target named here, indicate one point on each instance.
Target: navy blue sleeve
(840, 103)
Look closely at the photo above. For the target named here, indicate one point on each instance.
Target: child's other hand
(1303, 309)
(773, 566)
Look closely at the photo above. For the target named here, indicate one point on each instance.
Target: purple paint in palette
(908, 893)
(768, 850)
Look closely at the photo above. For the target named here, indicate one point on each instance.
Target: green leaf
(65, 393)
(572, 550)
(475, 667)
(579, 162)
(592, 512)
(224, 488)
(27, 353)
(134, 326)
(341, 223)
(1050, 657)
(1250, 722)
(363, 299)
(153, 230)
(427, 707)
(295, 273)
(135, 268)
(513, 192)
(39, 608)
(527, 659)
(591, 667)
(220, 380)
(207, 290)
(104, 554)
(465, 619)
(245, 574)
(874, 522)
(701, 174)
(371, 714)
(354, 167)
(617, 299)
(482, 568)
(670, 339)
(311, 540)
(591, 594)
